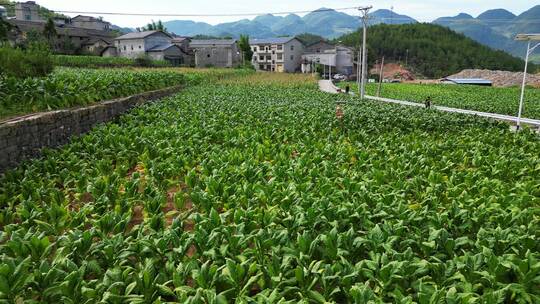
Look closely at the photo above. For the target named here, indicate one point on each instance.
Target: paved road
(328, 86)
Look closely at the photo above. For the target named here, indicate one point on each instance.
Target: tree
(245, 48)
(309, 39)
(153, 27)
(50, 31)
(5, 27)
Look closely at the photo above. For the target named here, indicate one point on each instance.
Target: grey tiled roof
(162, 47)
(139, 35)
(281, 40)
(27, 26)
(223, 42)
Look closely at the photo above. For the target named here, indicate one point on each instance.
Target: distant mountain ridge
(496, 28)
(323, 22)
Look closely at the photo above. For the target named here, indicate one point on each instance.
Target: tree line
(432, 50)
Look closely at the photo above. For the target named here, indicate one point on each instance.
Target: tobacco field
(78, 87)
(100, 62)
(484, 99)
(255, 192)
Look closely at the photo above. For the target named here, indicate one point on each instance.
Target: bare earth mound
(500, 78)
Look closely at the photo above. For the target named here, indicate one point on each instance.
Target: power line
(201, 15)
(461, 20)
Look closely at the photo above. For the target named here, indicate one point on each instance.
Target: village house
(223, 53)
(95, 45)
(319, 47)
(157, 45)
(277, 54)
(334, 59)
(91, 23)
(28, 11)
(70, 38)
(3, 12)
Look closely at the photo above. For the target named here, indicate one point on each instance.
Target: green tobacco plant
(245, 188)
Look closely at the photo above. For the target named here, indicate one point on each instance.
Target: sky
(421, 10)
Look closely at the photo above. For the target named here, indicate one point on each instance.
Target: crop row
(74, 87)
(99, 62)
(259, 194)
(485, 99)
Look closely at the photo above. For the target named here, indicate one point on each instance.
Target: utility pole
(381, 76)
(407, 59)
(364, 12)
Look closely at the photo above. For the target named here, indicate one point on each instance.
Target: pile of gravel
(500, 78)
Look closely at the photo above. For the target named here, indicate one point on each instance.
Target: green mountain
(432, 50)
(389, 17)
(496, 28)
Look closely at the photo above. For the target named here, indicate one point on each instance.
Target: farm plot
(76, 87)
(485, 99)
(101, 62)
(256, 193)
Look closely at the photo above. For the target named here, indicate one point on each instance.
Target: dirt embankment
(500, 78)
(393, 71)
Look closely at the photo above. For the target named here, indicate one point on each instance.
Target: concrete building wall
(28, 11)
(319, 47)
(110, 52)
(92, 24)
(278, 57)
(132, 48)
(345, 61)
(214, 56)
(171, 53)
(95, 48)
(293, 56)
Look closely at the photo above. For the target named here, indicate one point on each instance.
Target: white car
(340, 77)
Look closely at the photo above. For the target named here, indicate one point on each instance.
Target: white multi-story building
(282, 55)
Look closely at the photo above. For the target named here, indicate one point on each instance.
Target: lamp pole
(528, 38)
(365, 12)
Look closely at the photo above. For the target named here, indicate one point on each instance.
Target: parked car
(340, 77)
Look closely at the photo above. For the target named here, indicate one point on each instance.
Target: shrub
(36, 61)
(143, 61)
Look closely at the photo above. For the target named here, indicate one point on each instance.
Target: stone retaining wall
(24, 137)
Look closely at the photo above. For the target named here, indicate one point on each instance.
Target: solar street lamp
(529, 38)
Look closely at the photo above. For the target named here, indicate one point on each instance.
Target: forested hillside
(432, 50)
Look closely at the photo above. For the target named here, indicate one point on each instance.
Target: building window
(279, 56)
(125, 48)
(261, 67)
(140, 47)
(255, 58)
(266, 48)
(292, 47)
(132, 47)
(273, 52)
(254, 48)
(280, 47)
(208, 55)
(268, 57)
(292, 57)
